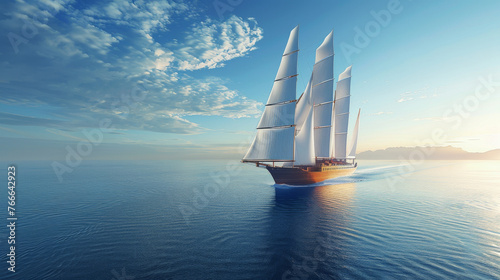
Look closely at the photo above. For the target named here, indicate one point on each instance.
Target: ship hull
(311, 175)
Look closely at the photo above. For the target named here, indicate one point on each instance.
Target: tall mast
(304, 124)
(354, 140)
(332, 129)
(342, 100)
(276, 130)
(322, 93)
(304, 104)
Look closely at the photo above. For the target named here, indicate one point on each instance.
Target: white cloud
(211, 44)
(163, 60)
(404, 99)
(83, 64)
(429, 119)
(159, 52)
(381, 113)
(146, 17)
(422, 93)
(92, 37)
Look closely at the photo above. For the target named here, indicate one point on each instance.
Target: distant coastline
(438, 153)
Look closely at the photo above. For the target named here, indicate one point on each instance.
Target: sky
(189, 79)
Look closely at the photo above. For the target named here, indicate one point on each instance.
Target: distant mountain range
(437, 153)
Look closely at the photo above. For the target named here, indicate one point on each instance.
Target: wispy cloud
(62, 133)
(14, 131)
(381, 113)
(210, 43)
(404, 99)
(422, 93)
(16, 119)
(84, 58)
(429, 119)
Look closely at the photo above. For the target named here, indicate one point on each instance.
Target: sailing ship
(304, 141)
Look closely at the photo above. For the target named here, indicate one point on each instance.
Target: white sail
(322, 116)
(288, 66)
(315, 126)
(342, 100)
(322, 93)
(285, 84)
(354, 141)
(326, 48)
(275, 135)
(278, 115)
(293, 41)
(323, 70)
(304, 142)
(304, 105)
(275, 144)
(332, 134)
(283, 90)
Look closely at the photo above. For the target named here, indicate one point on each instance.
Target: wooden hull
(311, 175)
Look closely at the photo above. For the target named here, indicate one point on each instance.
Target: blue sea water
(225, 220)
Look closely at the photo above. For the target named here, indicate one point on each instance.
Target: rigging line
(300, 97)
(324, 58)
(324, 103)
(344, 79)
(343, 97)
(325, 81)
(282, 103)
(342, 114)
(291, 52)
(323, 126)
(277, 127)
(286, 78)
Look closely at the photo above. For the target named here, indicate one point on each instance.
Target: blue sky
(190, 78)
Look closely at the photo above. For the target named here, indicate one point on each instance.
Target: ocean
(220, 219)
